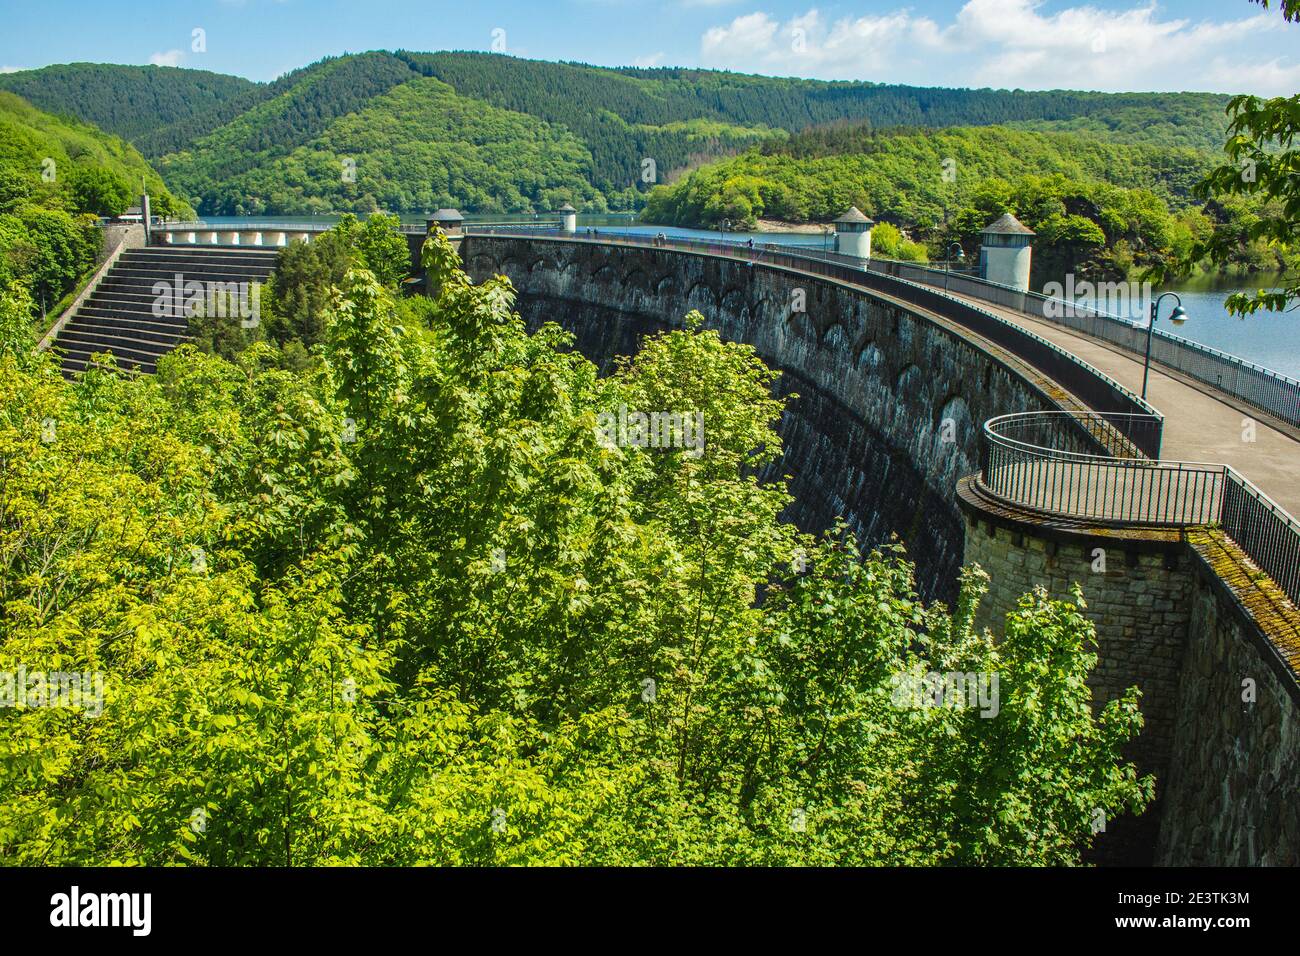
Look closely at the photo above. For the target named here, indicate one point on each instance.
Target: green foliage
(293, 305)
(58, 162)
(416, 146)
(56, 175)
(406, 606)
(1263, 168)
(913, 177)
(157, 108)
(46, 250)
(494, 133)
(98, 191)
(1105, 208)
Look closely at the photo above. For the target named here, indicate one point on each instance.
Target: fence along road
(1199, 425)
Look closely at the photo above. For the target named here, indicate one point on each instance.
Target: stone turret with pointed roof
(1005, 252)
(853, 234)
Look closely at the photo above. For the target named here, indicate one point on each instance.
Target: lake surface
(1270, 339)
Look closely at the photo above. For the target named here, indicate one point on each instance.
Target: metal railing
(1074, 464)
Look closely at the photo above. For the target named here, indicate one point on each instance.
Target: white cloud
(645, 62)
(167, 58)
(12, 69)
(1014, 43)
(849, 48)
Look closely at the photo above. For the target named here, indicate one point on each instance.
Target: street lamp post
(1177, 317)
(947, 262)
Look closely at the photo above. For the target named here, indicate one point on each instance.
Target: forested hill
(234, 146)
(1107, 208)
(58, 162)
(141, 104)
(56, 175)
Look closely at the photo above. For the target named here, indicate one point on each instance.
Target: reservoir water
(1270, 339)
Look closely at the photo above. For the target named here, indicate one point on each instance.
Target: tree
(97, 190)
(1263, 164)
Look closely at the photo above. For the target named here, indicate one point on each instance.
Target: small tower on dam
(449, 221)
(853, 234)
(568, 219)
(1005, 252)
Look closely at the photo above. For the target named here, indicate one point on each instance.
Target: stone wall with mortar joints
(1233, 793)
(865, 439)
(1139, 608)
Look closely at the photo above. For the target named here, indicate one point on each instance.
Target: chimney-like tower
(1005, 252)
(568, 219)
(853, 234)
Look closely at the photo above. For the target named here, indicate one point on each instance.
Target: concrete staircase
(119, 316)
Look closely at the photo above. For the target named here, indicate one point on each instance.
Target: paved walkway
(1198, 425)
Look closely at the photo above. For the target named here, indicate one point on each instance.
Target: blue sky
(1218, 45)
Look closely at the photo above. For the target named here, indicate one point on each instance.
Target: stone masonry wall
(1233, 794)
(1139, 606)
(1227, 770)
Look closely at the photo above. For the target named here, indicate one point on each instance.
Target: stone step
(111, 340)
(209, 258)
(74, 364)
(158, 330)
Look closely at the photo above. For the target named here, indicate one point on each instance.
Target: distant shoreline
(777, 225)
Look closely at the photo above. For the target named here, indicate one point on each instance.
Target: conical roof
(447, 215)
(855, 215)
(1007, 225)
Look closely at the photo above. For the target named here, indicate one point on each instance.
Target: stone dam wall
(865, 439)
(1220, 703)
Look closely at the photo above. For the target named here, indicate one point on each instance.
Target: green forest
(1108, 207)
(449, 125)
(390, 600)
(56, 176)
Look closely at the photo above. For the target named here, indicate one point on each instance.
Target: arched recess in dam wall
(876, 382)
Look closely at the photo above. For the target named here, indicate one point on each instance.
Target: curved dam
(889, 406)
(885, 431)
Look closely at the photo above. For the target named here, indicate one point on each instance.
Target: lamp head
(1178, 316)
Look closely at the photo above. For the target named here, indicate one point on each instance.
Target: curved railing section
(1079, 465)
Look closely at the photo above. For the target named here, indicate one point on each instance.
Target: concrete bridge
(975, 429)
